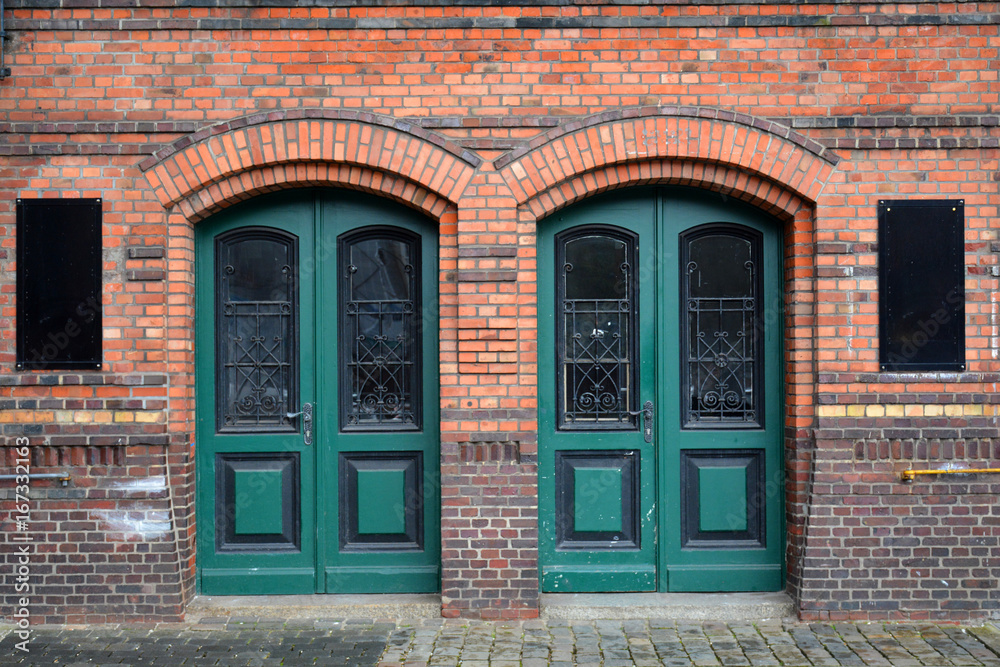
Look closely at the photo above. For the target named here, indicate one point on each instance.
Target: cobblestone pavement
(456, 643)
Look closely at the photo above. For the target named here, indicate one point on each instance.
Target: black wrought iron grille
(379, 353)
(596, 330)
(721, 346)
(256, 323)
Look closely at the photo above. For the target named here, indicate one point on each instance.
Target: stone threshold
(727, 607)
(315, 606)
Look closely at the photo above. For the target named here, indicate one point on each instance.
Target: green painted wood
(271, 580)
(252, 571)
(259, 502)
(722, 498)
(737, 578)
(378, 579)
(660, 216)
(606, 566)
(317, 218)
(598, 499)
(337, 215)
(381, 497)
(722, 567)
(597, 578)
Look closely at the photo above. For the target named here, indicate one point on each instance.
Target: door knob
(307, 422)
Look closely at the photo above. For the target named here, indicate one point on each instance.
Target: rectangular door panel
(597, 505)
(723, 499)
(381, 501)
(257, 502)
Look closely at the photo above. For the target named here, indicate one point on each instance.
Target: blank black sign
(921, 253)
(58, 284)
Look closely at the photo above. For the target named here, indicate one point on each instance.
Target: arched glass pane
(596, 329)
(256, 309)
(721, 346)
(380, 334)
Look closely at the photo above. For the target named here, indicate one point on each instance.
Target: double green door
(317, 427)
(660, 412)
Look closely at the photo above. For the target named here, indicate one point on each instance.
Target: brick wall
(488, 117)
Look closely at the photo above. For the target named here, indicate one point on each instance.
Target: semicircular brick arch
(755, 160)
(203, 172)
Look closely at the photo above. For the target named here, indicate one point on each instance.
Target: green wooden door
(659, 395)
(317, 429)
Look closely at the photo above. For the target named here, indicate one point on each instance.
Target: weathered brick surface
(487, 117)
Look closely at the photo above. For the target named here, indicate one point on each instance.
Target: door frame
(323, 262)
(774, 370)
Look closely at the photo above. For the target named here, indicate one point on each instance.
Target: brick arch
(758, 161)
(214, 167)
(762, 163)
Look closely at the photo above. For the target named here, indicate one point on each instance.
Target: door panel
(722, 408)
(597, 475)
(253, 350)
(317, 427)
(379, 533)
(688, 495)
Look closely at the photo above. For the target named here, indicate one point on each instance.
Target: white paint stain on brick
(143, 486)
(132, 525)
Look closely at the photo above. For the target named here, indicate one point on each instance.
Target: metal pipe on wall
(4, 70)
(910, 475)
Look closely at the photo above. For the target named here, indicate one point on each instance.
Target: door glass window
(379, 307)
(256, 304)
(721, 346)
(595, 328)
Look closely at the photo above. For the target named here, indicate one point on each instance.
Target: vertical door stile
(323, 400)
(666, 326)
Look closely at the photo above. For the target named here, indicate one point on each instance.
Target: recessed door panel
(598, 500)
(381, 501)
(257, 502)
(723, 499)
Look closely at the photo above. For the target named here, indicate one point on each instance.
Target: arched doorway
(660, 395)
(317, 397)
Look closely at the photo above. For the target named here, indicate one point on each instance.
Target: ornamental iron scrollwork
(380, 295)
(596, 329)
(255, 329)
(720, 338)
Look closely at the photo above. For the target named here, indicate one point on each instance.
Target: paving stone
(262, 642)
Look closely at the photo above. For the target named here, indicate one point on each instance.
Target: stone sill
(57, 378)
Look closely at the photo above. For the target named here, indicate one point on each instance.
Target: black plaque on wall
(921, 253)
(59, 284)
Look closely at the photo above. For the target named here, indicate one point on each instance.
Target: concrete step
(668, 606)
(727, 607)
(315, 606)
